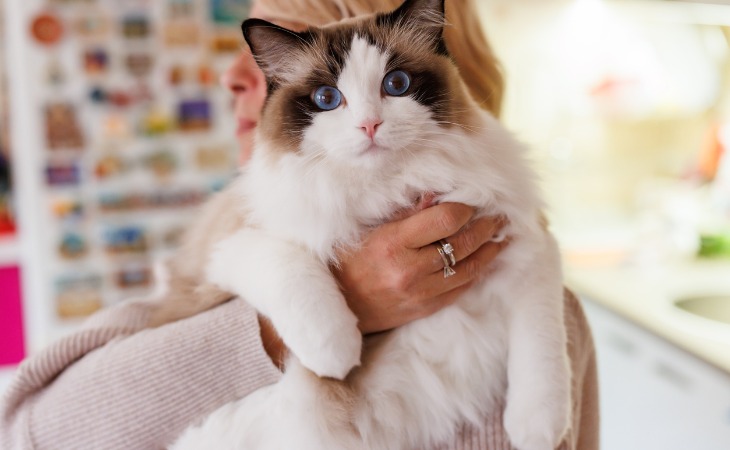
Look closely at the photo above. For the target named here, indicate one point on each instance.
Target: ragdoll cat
(361, 117)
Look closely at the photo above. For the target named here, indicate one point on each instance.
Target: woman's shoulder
(580, 340)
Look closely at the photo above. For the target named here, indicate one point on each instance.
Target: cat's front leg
(297, 292)
(537, 413)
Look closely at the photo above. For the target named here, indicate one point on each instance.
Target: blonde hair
(464, 37)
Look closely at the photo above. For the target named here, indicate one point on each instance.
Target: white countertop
(646, 296)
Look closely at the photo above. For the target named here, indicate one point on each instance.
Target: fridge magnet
(110, 202)
(62, 128)
(116, 202)
(181, 34)
(226, 42)
(213, 158)
(91, 26)
(63, 174)
(55, 75)
(138, 64)
(120, 98)
(72, 246)
(176, 75)
(97, 94)
(67, 209)
(110, 166)
(128, 239)
(206, 75)
(47, 29)
(180, 8)
(229, 12)
(78, 296)
(162, 164)
(133, 278)
(136, 27)
(7, 223)
(194, 115)
(174, 199)
(96, 61)
(155, 122)
(115, 126)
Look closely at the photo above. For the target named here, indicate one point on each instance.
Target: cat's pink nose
(370, 126)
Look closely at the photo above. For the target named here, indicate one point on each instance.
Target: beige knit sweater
(118, 385)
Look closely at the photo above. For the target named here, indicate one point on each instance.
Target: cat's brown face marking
(298, 63)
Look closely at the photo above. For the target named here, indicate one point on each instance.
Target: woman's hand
(396, 275)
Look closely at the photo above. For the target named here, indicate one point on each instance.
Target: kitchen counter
(646, 296)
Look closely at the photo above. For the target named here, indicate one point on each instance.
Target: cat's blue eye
(327, 98)
(396, 83)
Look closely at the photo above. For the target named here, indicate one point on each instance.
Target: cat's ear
(428, 17)
(275, 48)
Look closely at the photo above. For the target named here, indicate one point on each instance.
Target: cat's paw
(531, 425)
(328, 348)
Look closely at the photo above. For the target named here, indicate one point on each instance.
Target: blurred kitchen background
(113, 128)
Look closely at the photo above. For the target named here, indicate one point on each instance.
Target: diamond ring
(446, 251)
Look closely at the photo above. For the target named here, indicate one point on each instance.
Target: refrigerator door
(120, 130)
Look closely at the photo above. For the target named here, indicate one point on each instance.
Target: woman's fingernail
(499, 237)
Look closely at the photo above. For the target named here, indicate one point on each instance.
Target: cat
(361, 117)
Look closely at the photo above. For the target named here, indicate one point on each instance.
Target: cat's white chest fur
(502, 343)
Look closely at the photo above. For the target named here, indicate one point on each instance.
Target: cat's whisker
(430, 146)
(461, 125)
(314, 160)
(421, 138)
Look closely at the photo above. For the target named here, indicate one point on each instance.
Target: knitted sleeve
(116, 385)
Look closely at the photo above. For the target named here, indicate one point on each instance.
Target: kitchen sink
(713, 307)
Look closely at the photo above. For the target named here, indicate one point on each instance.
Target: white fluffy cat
(361, 117)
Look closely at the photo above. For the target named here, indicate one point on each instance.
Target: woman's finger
(432, 224)
(465, 242)
(472, 268)
(426, 200)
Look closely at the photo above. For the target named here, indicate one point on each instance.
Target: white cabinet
(655, 396)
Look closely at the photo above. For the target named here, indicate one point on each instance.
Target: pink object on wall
(12, 350)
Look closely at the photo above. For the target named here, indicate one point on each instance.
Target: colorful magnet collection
(137, 131)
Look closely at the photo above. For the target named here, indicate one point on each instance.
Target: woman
(118, 384)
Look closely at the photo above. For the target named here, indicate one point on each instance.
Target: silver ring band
(449, 250)
(446, 251)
